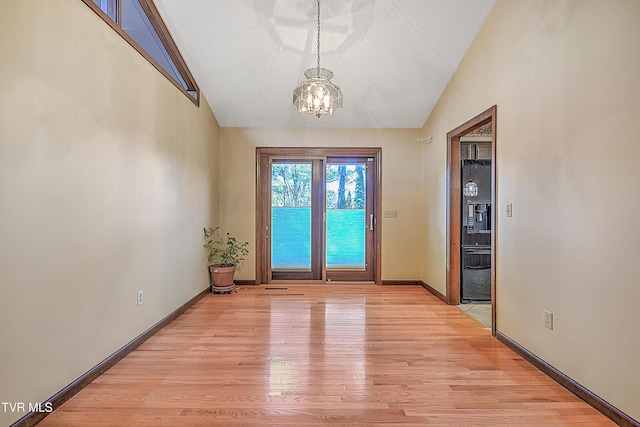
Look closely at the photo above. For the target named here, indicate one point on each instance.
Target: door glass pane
(346, 220)
(291, 216)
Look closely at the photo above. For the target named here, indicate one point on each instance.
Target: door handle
(371, 222)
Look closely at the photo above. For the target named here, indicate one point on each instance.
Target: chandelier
(470, 189)
(317, 95)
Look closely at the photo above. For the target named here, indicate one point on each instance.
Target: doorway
(459, 138)
(316, 216)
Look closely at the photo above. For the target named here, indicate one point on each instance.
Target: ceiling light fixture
(317, 95)
(470, 189)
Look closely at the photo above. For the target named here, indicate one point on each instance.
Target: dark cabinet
(475, 150)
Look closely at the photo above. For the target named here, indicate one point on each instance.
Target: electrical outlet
(548, 319)
(391, 213)
(139, 295)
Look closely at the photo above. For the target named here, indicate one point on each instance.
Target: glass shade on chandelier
(470, 189)
(317, 95)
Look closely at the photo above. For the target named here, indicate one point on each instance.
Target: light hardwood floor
(320, 355)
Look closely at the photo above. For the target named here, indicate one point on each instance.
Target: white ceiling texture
(391, 58)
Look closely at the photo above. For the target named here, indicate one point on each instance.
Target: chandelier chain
(318, 36)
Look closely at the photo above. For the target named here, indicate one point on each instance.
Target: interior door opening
(471, 218)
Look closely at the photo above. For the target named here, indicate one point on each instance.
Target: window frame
(114, 20)
(264, 158)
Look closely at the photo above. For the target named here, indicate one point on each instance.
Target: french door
(317, 215)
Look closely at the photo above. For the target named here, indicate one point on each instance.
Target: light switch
(391, 213)
(509, 210)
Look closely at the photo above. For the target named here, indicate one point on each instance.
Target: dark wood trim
(454, 205)
(264, 157)
(263, 167)
(193, 92)
(172, 48)
(425, 285)
(318, 168)
(319, 152)
(33, 418)
(454, 209)
(401, 282)
(435, 292)
(570, 384)
(245, 282)
(378, 220)
(494, 217)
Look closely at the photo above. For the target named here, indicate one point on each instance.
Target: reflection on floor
(478, 311)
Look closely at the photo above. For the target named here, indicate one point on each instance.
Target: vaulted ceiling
(391, 58)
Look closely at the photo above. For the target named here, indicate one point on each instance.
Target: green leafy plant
(224, 250)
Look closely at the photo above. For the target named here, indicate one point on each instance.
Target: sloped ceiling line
(391, 58)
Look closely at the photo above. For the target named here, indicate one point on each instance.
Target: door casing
(263, 173)
(454, 208)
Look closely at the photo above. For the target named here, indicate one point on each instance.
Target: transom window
(140, 24)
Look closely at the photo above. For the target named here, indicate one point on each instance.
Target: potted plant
(224, 254)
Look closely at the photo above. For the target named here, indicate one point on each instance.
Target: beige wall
(564, 75)
(105, 184)
(400, 186)
(108, 174)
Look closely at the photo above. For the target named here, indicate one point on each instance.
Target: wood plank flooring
(320, 355)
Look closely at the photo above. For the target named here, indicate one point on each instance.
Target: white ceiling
(391, 58)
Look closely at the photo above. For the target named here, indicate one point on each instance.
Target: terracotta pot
(222, 277)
